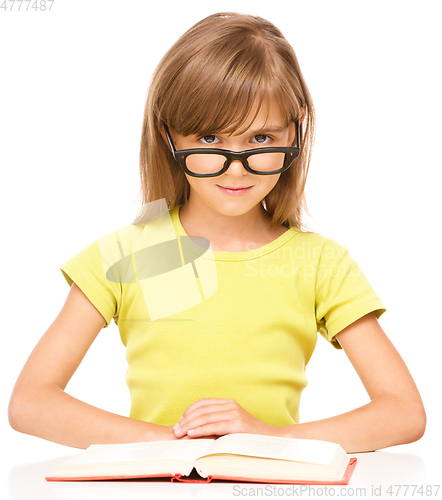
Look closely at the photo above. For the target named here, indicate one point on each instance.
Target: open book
(235, 457)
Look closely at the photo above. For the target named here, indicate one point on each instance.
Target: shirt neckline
(230, 256)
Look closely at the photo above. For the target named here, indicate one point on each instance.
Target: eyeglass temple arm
(169, 140)
(298, 134)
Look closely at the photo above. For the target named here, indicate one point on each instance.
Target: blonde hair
(209, 82)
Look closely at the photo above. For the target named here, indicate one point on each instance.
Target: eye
(262, 139)
(209, 139)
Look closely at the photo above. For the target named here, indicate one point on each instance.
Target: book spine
(181, 478)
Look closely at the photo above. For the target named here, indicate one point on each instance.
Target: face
(206, 193)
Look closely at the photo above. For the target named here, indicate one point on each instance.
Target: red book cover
(187, 479)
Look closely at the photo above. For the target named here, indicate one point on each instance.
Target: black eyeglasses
(211, 162)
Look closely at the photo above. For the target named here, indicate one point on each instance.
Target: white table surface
(375, 472)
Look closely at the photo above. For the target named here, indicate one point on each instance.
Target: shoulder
(125, 236)
(317, 246)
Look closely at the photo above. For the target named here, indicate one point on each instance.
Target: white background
(72, 90)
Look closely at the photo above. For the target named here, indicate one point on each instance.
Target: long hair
(209, 82)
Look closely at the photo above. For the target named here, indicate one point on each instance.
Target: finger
(206, 418)
(206, 410)
(200, 416)
(205, 402)
(199, 437)
(213, 429)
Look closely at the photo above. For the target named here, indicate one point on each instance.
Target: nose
(236, 167)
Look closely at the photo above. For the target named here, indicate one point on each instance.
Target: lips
(238, 191)
(228, 187)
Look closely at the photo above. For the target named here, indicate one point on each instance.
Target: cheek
(191, 180)
(272, 181)
(196, 183)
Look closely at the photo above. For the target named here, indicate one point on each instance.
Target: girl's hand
(209, 417)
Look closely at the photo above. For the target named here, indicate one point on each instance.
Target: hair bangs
(228, 91)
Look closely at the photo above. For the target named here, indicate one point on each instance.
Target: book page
(256, 445)
(187, 450)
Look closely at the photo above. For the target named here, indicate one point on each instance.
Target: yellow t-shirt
(199, 324)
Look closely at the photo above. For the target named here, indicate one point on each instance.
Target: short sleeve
(89, 269)
(343, 293)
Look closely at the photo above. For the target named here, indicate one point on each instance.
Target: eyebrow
(265, 130)
(268, 129)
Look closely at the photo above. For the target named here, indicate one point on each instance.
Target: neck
(226, 231)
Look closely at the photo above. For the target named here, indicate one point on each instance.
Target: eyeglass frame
(290, 155)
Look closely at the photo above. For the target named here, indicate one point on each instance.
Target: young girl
(218, 287)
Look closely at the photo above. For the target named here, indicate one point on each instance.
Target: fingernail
(191, 431)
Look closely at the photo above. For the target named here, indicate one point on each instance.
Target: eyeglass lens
(212, 163)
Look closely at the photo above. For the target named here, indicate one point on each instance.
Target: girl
(218, 287)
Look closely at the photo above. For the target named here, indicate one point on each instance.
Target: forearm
(385, 421)
(52, 414)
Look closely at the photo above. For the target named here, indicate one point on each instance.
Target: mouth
(235, 190)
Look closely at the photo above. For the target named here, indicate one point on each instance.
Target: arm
(395, 415)
(40, 407)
